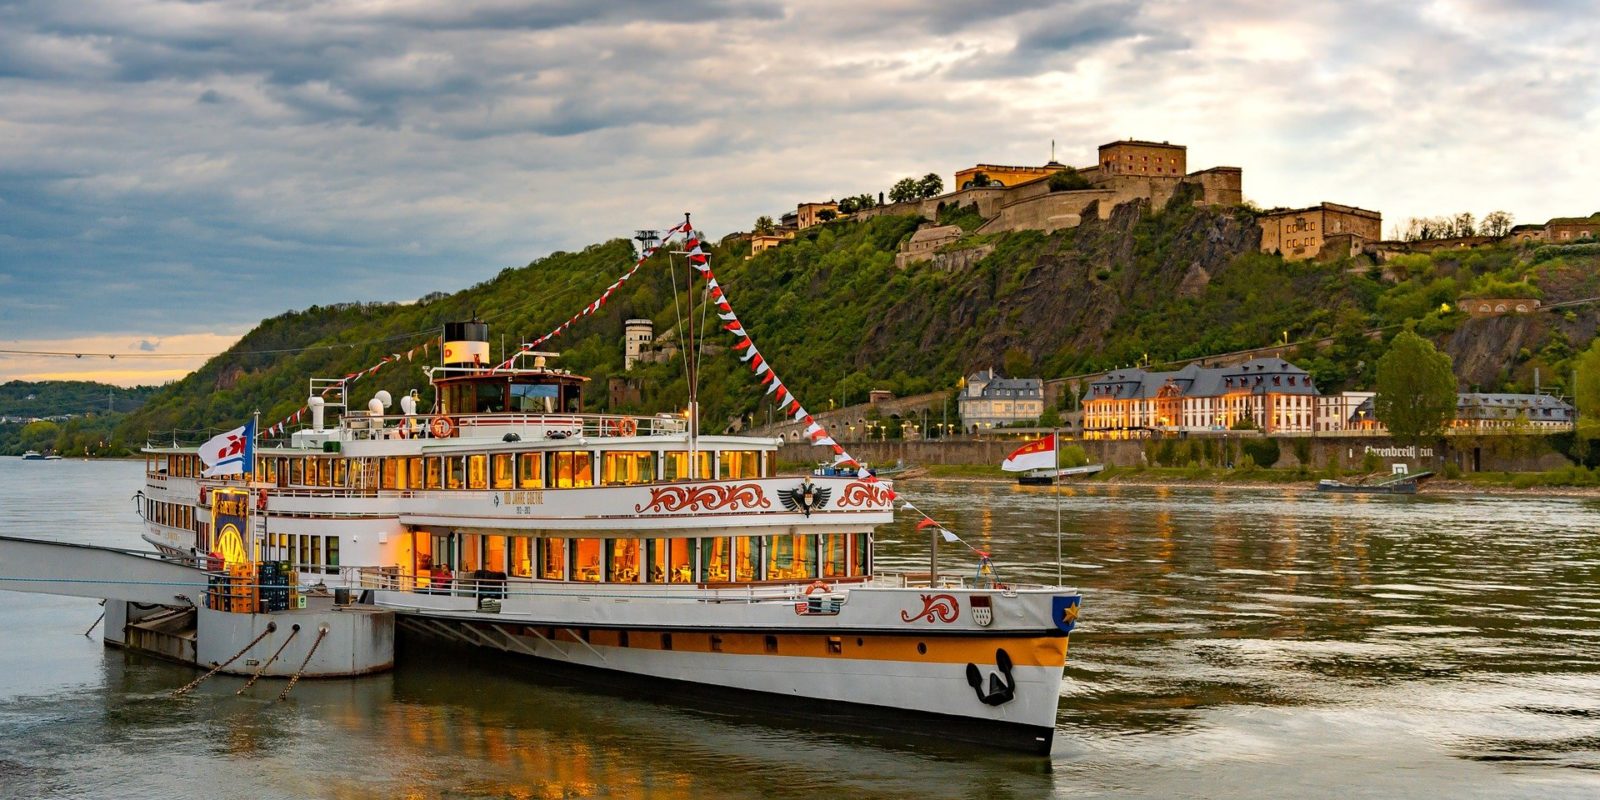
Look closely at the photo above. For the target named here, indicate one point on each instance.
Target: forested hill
(60, 398)
(836, 318)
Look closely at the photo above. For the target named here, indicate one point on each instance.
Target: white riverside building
(989, 400)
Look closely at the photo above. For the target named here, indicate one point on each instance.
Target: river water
(1270, 643)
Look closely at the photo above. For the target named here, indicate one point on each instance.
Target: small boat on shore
(1048, 477)
(1399, 484)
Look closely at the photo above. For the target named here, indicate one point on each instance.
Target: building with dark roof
(1565, 230)
(1272, 394)
(1479, 412)
(1476, 411)
(990, 400)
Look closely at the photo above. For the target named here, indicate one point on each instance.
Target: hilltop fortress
(1054, 196)
(1014, 198)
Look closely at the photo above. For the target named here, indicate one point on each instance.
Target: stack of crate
(273, 578)
(242, 598)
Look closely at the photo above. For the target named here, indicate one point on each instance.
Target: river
(1233, 643)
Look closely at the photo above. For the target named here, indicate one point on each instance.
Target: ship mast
(691, 363)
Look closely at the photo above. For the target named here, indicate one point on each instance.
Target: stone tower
(636, 337)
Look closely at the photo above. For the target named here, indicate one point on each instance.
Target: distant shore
(1143, 480)
(1496, 484)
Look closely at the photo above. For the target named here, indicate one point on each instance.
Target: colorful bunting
(604, 296)
(282, 425)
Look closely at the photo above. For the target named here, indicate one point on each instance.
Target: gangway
(106, 573)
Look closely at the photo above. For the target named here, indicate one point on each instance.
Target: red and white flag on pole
(1037, 454)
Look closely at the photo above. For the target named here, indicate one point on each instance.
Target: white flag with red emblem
(1038, 454)
(230, 453)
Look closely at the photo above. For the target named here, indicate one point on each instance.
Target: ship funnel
(408, 404)
(316, 403)
(466, 344)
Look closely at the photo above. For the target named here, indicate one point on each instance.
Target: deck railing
(536, 426)
(498, 586)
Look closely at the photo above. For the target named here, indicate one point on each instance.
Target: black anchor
(1001, 689)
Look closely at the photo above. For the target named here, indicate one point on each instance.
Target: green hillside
(54, 398)
(836, 318)
(96, 409)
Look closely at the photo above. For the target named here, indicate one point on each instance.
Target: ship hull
(929, 699)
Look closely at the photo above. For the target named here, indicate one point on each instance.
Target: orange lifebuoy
(261, 500)
(627, 426)
(818, 586)
(442, 427)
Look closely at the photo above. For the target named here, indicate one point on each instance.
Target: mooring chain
(97, 620)
(322, 633)
(256, 677)
(271, 626)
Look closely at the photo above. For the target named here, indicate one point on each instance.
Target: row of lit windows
(686, 560)
(535, 470)
(174, 464)
(305, 552)
(173, 515)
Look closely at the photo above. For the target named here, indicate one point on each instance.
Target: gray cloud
(173, 166)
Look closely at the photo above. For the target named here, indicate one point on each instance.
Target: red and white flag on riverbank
(1037, 454)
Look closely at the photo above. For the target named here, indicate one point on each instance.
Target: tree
(1586, 393)
(931, 185)
(764, 225)
(849, 205)
(868, 201)
(1017, 363)
(827, 215)
(905, 190)
(40, 435)
(1068, 180)
(1416, 388)
(1496, 223)
(980, 180)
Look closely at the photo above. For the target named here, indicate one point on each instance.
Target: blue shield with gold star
(1064, 610)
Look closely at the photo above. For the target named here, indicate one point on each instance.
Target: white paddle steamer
(508, 518)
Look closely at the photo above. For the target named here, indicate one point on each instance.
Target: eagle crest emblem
(804, 498)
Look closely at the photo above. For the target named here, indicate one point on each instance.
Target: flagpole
(255, 439)
(1055, 437)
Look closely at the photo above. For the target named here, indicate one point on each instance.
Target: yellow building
(808, 214)
(1271, 394)
(763, 242)
(1001, 176)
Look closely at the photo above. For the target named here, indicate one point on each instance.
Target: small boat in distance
(33, 455)
(52, 457)
(1399, 484)
(1048, 477)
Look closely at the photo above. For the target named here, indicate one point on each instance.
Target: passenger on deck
(440, 579)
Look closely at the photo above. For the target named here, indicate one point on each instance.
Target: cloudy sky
(172, 172)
